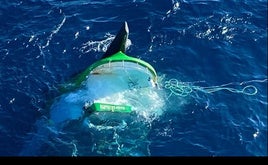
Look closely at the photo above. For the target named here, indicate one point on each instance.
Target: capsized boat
(115, 73)
(116, 99)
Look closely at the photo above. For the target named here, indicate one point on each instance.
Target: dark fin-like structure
(119, 43)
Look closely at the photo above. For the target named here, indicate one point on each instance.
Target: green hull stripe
(104, 107)
(119, 56)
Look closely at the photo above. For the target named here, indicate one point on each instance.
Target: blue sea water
(221, 45)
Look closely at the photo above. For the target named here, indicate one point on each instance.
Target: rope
(184, 89)
(178, 88)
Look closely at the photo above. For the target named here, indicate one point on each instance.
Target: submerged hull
(107, 82)
(122, 95)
